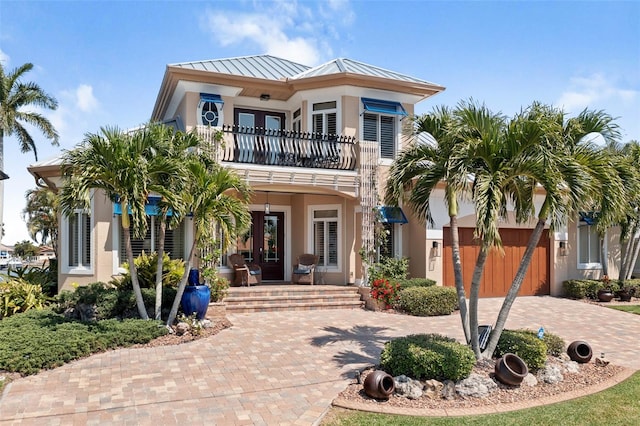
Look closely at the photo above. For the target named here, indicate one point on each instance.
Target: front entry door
(265, 245)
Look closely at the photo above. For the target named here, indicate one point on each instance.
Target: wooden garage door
(500, 269)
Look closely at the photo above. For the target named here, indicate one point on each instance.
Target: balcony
(284, 148)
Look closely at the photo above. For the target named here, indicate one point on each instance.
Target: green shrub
(389, 268)
(579, 289)
(525, 344)
(428, 301)
(554, 343)
(41, 339)
(416, 282)
(113, 302)
(17, 295)
(172, 271)
(46, 276)
(632, 284)
(427, 356)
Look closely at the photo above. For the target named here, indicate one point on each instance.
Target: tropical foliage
(41, 216)
(498, 163)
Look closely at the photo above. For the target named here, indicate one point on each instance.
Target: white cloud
(585, 92)
(293, 31)
(85, 100)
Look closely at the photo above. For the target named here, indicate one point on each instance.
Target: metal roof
(273, 68)
(51, 161)
(258, 66)
(343, 65)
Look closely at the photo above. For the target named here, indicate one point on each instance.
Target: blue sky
(104, 61)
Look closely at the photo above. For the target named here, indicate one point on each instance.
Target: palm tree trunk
(183, 282)
(163, 230)
(626, 253)
(473, 298)
(142, 310)
(457, 273)
(636, 252)
(604, 259)
(515, 288)
(1, 184)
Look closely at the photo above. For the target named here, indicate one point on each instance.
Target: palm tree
(123, 166)
(172, 147)
(41, 216)
(419, 170)
(15, 95)
(214, 195)
(628, 166)
(556, 155)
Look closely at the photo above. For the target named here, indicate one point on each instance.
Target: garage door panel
(500, 268)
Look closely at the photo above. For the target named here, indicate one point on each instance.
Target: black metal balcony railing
(255, 145)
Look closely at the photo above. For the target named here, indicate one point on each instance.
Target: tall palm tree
(171, 146)
(41, 216)
(15, 95)
(214, 195)
(418, 171)
(575, 175)
(123, 166)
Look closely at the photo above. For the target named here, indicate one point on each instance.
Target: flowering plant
(385, 291)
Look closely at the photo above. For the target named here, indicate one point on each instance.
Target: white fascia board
(191, 86)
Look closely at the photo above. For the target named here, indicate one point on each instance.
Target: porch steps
(287, 297)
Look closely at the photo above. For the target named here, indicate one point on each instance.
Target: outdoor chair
(304, 268)
(244, 273)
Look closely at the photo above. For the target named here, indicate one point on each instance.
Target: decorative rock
(448, 390)
(551, 374)
(476, 386)
(433, 389)
(205, 323)
(570, 367)
(530, 380)
(87, 312)
(182, 328)
(408, 387)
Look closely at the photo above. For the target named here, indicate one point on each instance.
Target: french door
(264, 244)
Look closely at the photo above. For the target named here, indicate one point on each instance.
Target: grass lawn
(634, 309)
(619, 405)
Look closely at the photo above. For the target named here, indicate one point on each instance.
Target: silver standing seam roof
(273, 68)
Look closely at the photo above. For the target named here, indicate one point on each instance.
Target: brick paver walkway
(272, 368)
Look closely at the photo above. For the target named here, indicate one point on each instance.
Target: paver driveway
(272, 368)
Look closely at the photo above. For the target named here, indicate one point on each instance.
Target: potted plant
(626, 293)
(605, 294)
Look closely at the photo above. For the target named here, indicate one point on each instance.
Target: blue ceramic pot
(196, 299)
(194, 276)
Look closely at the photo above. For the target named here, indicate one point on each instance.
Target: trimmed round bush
(428, 301)
(416, 282)
(427, 356)
(525, 344)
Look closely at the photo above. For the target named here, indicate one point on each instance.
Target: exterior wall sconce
(267, 206)
(562, 250)
(265, 97)
(435, 249)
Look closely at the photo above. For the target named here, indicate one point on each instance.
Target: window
(173, 241)
(588, 247)
(379, 124)
(386, 249)
(325, 118)
(381, 129)
(210, 110)
(297, 121)
(326, 231)
(77, 242)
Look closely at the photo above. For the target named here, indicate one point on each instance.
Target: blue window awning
(590, 218)
(150, 209)
(207, 97)
(390, 214)
(383, 107)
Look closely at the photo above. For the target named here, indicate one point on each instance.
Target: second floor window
(325, 118)
(382, 129)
